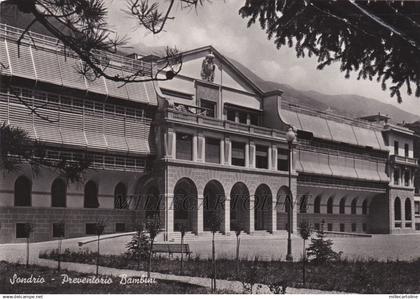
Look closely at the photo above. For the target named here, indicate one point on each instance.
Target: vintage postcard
(209, 147)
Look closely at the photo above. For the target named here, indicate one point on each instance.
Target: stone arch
(317, 204)
(91, 195)
(240, 206)
(23, 192)
(58, 193)
(343, 205)
(303, 204)
(213, 204)
(185, 205)
(330, 205)
(407, 209)
(282, 207)
(354, 206)
(120, 196)
(365, 207)
(397, 209)
(263, 208)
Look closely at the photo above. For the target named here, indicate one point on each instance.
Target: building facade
(207, 144)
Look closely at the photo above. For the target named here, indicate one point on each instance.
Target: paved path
(16, 253)
(227, 285)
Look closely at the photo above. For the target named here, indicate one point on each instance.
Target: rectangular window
(242, 117)
(407, 178)
(282, 159)
(353, 227)
(210, 107)
(254, 118)
(58, 230)
(184, 146)
(90, 228)
(406, 150)
(330, 227)
(342, 227)
(364, 227)
(212, 150)
(417, 226)
(119, 227)
(261, 157)
(417, 207)
(238, 154)
(21, 230)
(396, 147)
(230, 115)
(396, 177)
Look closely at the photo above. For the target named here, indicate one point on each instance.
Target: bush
(139, 246)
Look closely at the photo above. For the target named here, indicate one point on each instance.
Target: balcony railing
(200, 119)
(404, 160)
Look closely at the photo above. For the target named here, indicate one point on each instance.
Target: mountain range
(349, 105)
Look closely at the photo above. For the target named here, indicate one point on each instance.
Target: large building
(208, 142)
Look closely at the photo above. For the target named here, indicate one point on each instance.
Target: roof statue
(207, 68)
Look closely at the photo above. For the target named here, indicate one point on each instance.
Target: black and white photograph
(209, 147)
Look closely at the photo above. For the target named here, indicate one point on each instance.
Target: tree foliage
(18, 149)
(375, 39)
(320, 250)
(81, 27)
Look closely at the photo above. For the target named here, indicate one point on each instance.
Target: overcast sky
(219, 24)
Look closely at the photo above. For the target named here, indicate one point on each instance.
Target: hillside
(346, 105)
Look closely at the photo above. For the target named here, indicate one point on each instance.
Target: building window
(209, 106)
(330, 226)
(364, 227)
(242, 117)
(254, 119)
(261, 157)
(212, 150)
(23, 190)
(317, 226)
(417, 226)
(303, 204)
(397, 209)
(58, 193)
(353, 227)
(342, 227)
(119, 227)
(406, 150)
(58, 230)
(283, 159)
(238, 154)
(184, 146)
(120, 197)
(407, 178)
(343, 205)
(317, 205)
(407, 209)
(365, 207)
(396, 177)
(23, 230)
(354, 206)
(91, 195)
(230, 115)
(90, 228)
(330, 205)
(417, 207)
(396, 147)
